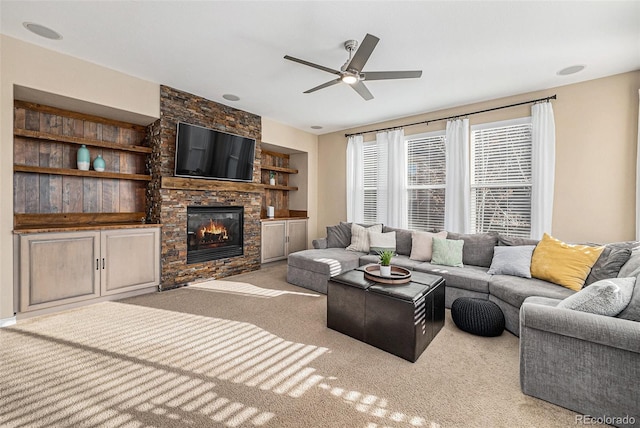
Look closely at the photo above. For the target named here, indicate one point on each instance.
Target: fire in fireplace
(214, 233)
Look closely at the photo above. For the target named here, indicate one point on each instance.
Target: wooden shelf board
(279, 169)
(183, 183)
(33, 221)
(79, 173)
(78, 140)
(277, 187)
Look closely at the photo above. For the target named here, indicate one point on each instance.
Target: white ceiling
(468, 51)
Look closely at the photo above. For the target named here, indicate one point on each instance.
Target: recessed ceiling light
(42, 31)
(570, 70)
(316, 127)
(231, 97)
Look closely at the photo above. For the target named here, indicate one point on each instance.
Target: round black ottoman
(477, 316)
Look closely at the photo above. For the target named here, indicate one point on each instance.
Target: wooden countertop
(284, 218)
(77, 228)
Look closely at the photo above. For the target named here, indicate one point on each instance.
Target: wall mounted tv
(207, 153)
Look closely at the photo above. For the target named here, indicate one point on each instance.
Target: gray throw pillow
(608, 297)
(403, 240)
(339, 236)
(608, 264)
(512, 241)
(478, 247)
(632, 311)
(514, 261)
(632, 266)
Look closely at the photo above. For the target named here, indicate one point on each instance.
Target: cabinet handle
(97, 264)
(103, 263)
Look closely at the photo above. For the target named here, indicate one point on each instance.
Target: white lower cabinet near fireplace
(68, 267)
(283, 237)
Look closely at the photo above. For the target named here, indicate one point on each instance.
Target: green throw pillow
(447, 252)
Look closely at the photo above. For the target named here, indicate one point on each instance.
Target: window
(426, 177)
(501, 177)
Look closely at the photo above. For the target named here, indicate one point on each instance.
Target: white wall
(72, 82)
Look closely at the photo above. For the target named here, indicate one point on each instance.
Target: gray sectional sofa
(582, 361)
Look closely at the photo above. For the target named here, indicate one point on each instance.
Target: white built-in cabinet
(67, 267)
(283, 237)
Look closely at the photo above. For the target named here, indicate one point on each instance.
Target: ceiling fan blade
(310, 64)
(384, 75)
(362, 90)
(324, 85)
(363, 53)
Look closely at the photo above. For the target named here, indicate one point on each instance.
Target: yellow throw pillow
(563, 264)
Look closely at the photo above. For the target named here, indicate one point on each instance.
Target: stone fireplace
(214, 233)
(176, 202)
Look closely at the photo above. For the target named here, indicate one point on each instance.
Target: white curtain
(457, 200)
(543, 163)
(392, 173)
(638, 179)
(355, 179)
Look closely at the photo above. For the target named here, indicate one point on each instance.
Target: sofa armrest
(542, 314)
(320, 243)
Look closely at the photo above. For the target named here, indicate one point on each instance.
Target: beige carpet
(248, 351)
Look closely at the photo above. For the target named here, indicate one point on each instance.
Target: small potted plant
(272, 178)
(385, 262)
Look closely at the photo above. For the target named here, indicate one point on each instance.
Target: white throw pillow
(422, 245)
(381, 241)
(514, 261)
(606, 297)
(360, 237)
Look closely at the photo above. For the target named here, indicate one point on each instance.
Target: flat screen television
(207, 153)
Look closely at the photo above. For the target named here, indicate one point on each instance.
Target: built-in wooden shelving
(77, 140)
(80, 173)
(279, 187)
(184, 183)
(279, 169)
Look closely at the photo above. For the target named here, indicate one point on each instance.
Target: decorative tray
(399, 275)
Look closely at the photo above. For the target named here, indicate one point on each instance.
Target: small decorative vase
(270, 211)
(84, 159)
(272, 181)
(98, 164)
(385, 270)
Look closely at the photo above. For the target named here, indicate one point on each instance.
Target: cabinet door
(58, 268)
(274, 235)
(130, 259)
(297, 235)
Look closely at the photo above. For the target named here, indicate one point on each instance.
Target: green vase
(84, 159)
(98, 164)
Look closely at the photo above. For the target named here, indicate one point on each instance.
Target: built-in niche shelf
(79, 173)
(276, 195)
(278, 168)
(79, 141)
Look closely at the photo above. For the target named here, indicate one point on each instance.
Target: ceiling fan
(351, 72)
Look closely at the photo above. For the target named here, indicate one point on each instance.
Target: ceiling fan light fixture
(349, 79)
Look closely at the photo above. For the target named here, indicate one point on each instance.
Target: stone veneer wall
(169, 206)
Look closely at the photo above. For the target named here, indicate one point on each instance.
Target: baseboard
(7, 322)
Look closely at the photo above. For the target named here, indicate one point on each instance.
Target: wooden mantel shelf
(182, 183)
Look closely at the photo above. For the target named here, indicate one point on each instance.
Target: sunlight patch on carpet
(244, 288)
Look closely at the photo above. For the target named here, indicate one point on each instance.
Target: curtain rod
(552, 97)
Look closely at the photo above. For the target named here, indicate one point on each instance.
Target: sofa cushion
(608, 265)
(514, 290)
(563, 264)
(513, 260)
(478, 247)
(447, 252)
(379, 241)
(403, 239)
(632, 266)
(360, 237)
(473, 278)
(607, 297)
(339, 236)
(330, 261)
(513, 241)
(422, 244)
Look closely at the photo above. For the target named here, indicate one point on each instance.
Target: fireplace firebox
(214, 233)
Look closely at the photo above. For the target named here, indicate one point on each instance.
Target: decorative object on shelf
(98, 164)
(385, 262)
(271, 211)
(84, 158)
(399, 275)
(272, 178)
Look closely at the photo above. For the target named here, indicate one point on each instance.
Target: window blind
(501, 178)
(370, 165)
(426, 178)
